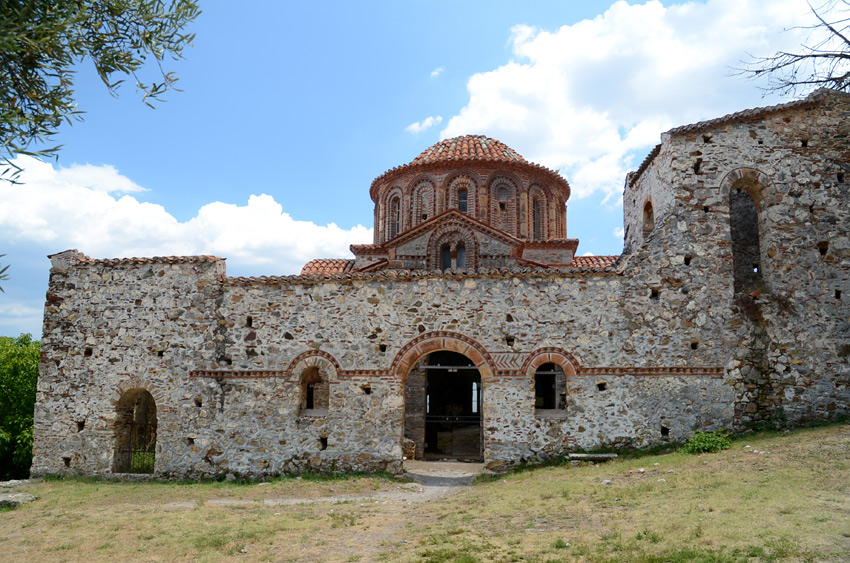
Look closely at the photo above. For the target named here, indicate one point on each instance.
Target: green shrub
(18, 376)
(707, 442)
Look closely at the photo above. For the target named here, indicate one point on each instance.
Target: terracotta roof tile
(593, 261)
(151, 260)
(468, 146)
(327, 266)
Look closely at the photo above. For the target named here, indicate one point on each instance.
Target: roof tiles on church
(467, 147)
(327, 266)
(593, 261)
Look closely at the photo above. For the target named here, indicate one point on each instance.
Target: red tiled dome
(468, 146)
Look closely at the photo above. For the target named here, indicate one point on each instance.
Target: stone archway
(135, 432)
(444, 377)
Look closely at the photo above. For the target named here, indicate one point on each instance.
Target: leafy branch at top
(42, 41)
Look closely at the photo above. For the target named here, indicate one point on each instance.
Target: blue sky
(289, 111)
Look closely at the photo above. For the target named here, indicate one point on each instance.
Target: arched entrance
(443, 407)
(135, 432)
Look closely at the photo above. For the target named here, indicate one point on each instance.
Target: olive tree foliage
(822, 62)
(18, 377)
(3, 275)
(43, 42)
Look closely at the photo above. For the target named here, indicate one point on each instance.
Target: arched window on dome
(394, 218)
(462, 200)
(537, 219)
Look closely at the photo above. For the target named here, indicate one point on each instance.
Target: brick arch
(314, 358)
(452, 233)
(437, 341)
(472, 191)
(557, 356)
(753, 180)
(394, 191)
(423, 184)
(504, 220)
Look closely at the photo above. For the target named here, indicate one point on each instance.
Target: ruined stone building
(469, 328)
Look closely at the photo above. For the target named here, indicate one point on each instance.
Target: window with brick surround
(314, 390)
(462, 200)
(550, 388)
(394, 218)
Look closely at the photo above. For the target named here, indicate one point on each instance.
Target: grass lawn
(770, 497)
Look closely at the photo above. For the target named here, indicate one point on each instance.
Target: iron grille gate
(138, 455)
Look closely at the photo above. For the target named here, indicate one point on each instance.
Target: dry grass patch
(789, 503)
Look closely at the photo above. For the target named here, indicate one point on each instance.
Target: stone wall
(654, 347)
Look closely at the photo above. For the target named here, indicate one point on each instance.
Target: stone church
(469, 328)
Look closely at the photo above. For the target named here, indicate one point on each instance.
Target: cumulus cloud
(437, 72)
(591, 99)
(426, 123)
(75, 208)
(619, 232)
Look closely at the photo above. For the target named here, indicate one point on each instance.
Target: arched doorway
(443, 397)
(135, 432)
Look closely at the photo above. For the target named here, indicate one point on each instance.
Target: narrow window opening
(462, 199)
(394, 218)
(382, 348)
(688, 259)
(823, 247)
(314, 390)
(81, 424)
(67, 461)
(746, 245)
(841, 177)
(694, 345)
(804, 142)
(838, 294)
(697, 165)
(648, 219)
(654, 293)
(537, 219)
(87, 353)
(190, 441)
(510, 340)
(249, 322)
(460, 259)
(665, 432)
(601, 386)
(367, 390)
(323, 443)
(311, 395)
(445, 258)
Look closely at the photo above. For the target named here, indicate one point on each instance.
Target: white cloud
(590, 99)
(437, 72)
(619, 232)
(588, 254)
(426, 123)
(59, 210)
